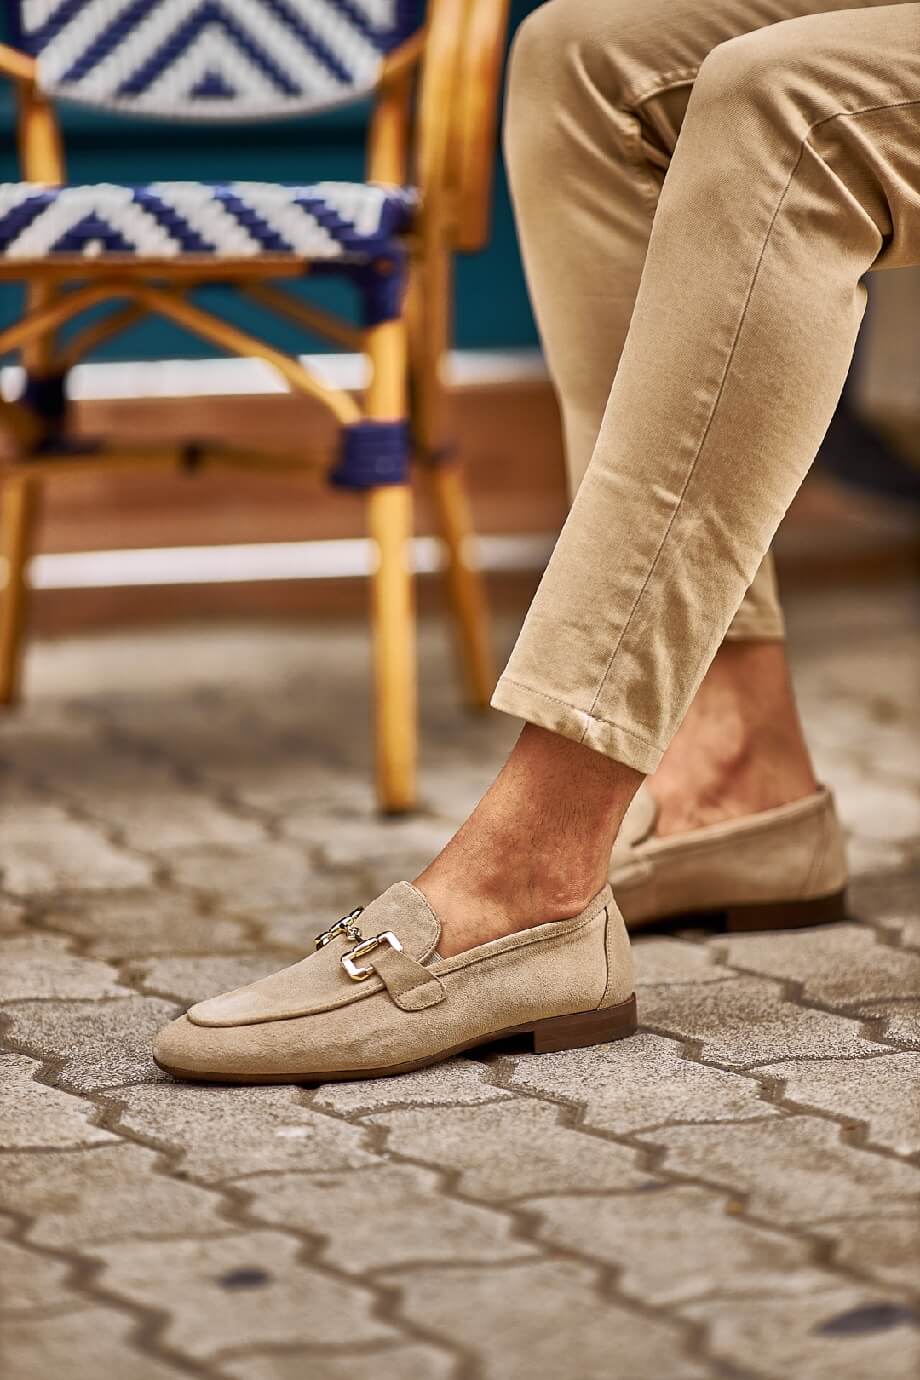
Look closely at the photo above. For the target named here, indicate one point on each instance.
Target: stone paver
(41, 965)
(883, 1092)
(873, 857)
(254, 880)
(388, 1215)
(112, 1192)
(158, 813)
(381, 839)
(890, 904)
(249, 1286)
(840, 1335)
(747, 1022)
(154, 806)
(222, 1133)
(640, 1083)
(661, 962)
(384, 1363)
(33, 1115)
(83, 1345)
(691, 1245)
(135, 924)
(31, 1283)
(275, 885)
(278, 785)
(189, 979)
(887, 1248)
(666, 961)
(104, 1044)
(732, 1195)
(484, 1146)
(459, 1082)
(43, 850)
(546, 1319)
(900, 1021)
(794, 1171)
(904, 926)
(843, 965)
(12, 915)
(881, 810)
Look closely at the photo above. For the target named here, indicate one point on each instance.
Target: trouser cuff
(535, 707)
(757, 627)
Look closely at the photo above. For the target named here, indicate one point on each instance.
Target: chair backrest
(212, 59)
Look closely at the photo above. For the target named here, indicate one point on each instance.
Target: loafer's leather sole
(787, 915)
(576, 1031)
(765, 915)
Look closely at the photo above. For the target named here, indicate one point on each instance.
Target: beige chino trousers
(716, 280)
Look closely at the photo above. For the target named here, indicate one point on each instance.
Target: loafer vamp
(316, 982)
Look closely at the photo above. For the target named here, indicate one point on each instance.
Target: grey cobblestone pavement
(735, 1193)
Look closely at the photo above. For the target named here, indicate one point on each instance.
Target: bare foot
(537, 846)
(740, 748)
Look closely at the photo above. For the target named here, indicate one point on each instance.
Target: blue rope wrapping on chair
(380, 283)
(213, 59)
(46, 396)
(372, 453)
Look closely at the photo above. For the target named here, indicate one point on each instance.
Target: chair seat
(351, 221)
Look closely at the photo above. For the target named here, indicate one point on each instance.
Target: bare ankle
(740, 749)
(537, 847)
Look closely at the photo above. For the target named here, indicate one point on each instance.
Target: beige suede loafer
(779, 869)
(375, 999)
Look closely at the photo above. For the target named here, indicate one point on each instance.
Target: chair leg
(18, 512)
(393, 622)
(465, 584)
(19, 497)
(392, 586)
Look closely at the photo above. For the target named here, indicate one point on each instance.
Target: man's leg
(587, 152)
(795, 174)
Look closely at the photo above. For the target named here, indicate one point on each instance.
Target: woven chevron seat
(351, 222)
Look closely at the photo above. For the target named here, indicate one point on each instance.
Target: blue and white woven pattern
(353, 222)
(213, 59)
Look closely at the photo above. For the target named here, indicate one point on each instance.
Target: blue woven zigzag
(213, 58)
(349, 222)
(179, 42)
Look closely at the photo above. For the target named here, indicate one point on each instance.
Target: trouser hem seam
(633, 749)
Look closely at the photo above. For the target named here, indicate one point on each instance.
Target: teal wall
(492, 308)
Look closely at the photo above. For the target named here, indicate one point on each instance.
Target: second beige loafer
(778, 869)
(375, 999)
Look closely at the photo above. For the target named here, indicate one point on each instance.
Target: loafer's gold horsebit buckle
(349, 929)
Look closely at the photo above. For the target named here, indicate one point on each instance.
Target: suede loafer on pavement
(779, 869)
(376, 999)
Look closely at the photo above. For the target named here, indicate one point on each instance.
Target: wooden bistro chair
(432, 71)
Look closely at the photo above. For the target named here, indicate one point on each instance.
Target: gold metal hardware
(365, 947)
(344, 926)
